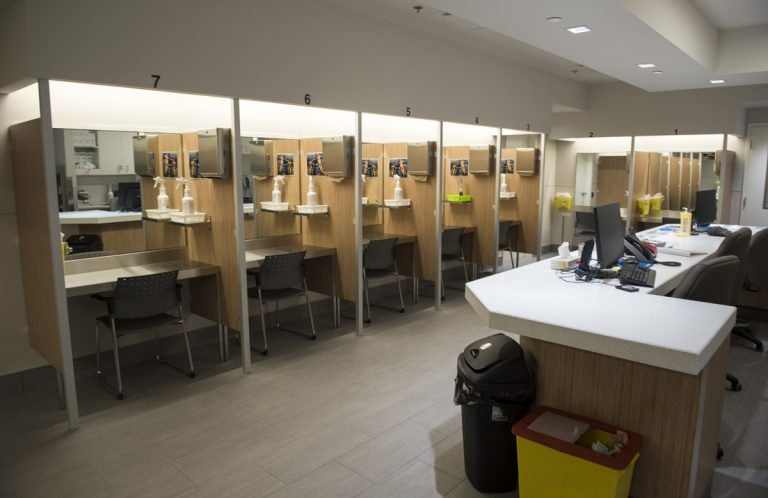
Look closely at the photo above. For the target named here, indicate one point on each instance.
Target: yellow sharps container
(555, 457)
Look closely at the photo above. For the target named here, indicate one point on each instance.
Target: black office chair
(711, 281)
(756, 278)
(279, 277)
(379, 260)
(452, 250)
(737, 244)
(136, 304)
(506, 228)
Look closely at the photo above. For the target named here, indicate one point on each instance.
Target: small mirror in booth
(507, 165)
(370, 167)
(398, 166)
(459, 167)
(255, 155)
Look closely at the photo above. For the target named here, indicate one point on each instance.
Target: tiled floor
(368, 416)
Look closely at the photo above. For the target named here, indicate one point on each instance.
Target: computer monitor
(128, 196)
(609, 234)
(706, 207)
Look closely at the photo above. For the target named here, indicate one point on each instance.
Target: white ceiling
(732, 14)
(691, 41)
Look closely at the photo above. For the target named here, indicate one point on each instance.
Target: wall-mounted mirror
(100, 196)
(601, 178)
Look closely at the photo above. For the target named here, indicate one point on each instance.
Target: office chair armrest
(178, 291)
(103, 297)
(256, 274)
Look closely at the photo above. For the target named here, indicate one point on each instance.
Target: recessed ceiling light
(717, 82)
(646, 65)
(658, 72)
(576, 30)
(554, 19)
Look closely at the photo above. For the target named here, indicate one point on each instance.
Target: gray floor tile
(447, 455)
(465, 490)
(236, 481)
(329, 480)
(414, 480)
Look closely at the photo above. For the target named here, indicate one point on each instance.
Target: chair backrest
(145, 295)
(585, 220)
(281, 271)
(504, 233)
(710, 281)
(757, 268)
(452, 240)
(736, 244)
(379, 254)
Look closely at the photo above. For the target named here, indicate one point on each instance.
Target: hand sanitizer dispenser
(311, 194)
(363, 199)
(163, 212)
(505, 193)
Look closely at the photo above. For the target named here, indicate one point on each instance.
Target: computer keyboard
(632, 274)
(718, 231)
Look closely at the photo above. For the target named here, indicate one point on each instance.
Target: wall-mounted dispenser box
(338, 156)
(215, 149)
(257, 156)
(144, 161)
(482, 159)
(527, 163)
(421, 158)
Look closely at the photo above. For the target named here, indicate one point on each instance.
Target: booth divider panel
(695, 178)
(271, 224)
(524, 208)
(34, 235)
(373, 186)
(420, 219)
(674, 183)
(641, 180)
(654, 171)
(612, 180)
(336, 230)
(685, 183)
(163, 235)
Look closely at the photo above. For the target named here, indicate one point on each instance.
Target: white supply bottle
(503, 183)
(277, 196)
(187, 201)
(398, 189)
(162, 197)
(311, 194)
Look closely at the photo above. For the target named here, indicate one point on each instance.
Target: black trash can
(495, 388)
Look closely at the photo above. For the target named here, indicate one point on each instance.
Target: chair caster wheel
(402, 310)
(367, 321)
(265, 352)
(759, 348)
(120, 397)
(191, 375)
(720, 452)
(314, 338)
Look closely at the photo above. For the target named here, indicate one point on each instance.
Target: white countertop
(97, 217)
(675, 334)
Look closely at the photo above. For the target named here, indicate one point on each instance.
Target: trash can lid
(489, 351)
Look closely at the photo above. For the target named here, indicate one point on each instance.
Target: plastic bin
(495, 388)
(555, 457)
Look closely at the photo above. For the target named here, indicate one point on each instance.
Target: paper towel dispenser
(482, 159)
(527, 163)
(215, 153)
(421, 158)
(256, 156)
(145, 161)
(338, 156)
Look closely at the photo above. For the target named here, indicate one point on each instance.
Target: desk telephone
(635, 247)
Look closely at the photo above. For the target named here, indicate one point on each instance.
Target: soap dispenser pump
(277, 196)
(162, 197)
(398, 189)
(311, 194)
(187, 201)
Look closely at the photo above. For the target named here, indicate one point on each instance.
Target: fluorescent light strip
(646, 65)
(717, 82)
